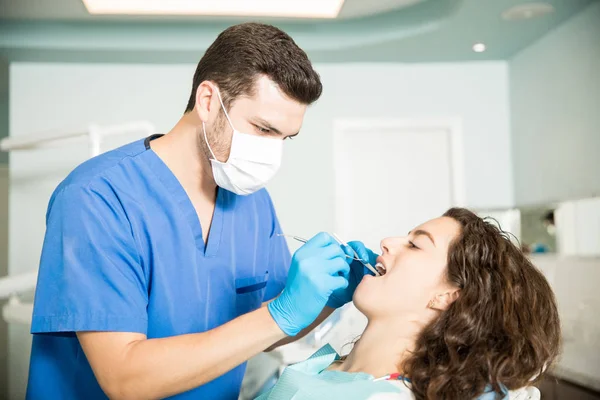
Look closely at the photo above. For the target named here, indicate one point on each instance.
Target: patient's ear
(442, 301)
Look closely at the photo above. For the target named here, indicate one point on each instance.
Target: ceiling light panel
(479, 47)
(254, 8)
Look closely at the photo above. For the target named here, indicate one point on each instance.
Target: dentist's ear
(441, 302)
(205, 94)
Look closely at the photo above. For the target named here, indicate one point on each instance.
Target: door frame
(453, 125)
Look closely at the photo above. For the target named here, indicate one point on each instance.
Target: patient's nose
(392, 244)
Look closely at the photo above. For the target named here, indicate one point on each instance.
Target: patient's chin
(365, 298)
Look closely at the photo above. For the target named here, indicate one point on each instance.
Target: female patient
(459, 313)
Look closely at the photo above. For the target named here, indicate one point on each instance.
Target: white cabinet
(578, 227)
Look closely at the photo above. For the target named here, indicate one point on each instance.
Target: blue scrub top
(124, 252)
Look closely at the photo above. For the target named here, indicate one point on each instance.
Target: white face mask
(253, 161)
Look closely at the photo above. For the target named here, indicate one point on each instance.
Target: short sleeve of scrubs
(279, 258)
(90, 277)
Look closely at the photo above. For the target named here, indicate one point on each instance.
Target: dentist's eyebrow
(421, 232)
(268, 126)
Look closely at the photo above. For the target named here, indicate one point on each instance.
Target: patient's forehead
(443, 230)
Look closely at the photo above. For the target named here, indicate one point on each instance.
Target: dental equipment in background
(342, 243)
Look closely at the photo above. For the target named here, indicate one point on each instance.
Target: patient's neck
(383, 346)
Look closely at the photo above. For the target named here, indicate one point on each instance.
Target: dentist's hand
(364, 254)
(318, 269)
(357, 270)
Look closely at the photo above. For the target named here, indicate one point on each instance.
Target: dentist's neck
(182, 150)
(383, 346)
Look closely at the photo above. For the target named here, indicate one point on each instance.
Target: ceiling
(366, 31)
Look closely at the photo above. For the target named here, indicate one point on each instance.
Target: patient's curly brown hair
(502, 331)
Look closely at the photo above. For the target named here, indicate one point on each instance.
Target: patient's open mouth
(380, 268)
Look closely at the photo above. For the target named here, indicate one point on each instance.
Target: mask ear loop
(228, 120)
(208, 145)
(224, 110)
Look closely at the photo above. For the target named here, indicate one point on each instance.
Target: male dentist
(160, 257)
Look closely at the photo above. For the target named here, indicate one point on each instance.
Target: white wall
(57, 96)
(578, 227)
(3, 271)
(476, 92)
(4, 69)
(3, 221)
(575, 284)
(555, 109)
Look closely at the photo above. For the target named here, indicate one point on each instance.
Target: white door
(390, 179)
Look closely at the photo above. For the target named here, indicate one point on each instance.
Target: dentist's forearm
(129, 366)
(327, 311)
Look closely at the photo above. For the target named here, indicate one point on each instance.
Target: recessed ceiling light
(479, 47)
(527, 11)
(254, 8)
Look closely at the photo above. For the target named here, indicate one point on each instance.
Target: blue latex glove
(357, 270)
(318, 269)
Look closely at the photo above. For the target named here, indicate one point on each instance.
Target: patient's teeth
(380, 268)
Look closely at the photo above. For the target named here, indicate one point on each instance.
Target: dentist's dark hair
(503, 330)
(244, 52)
